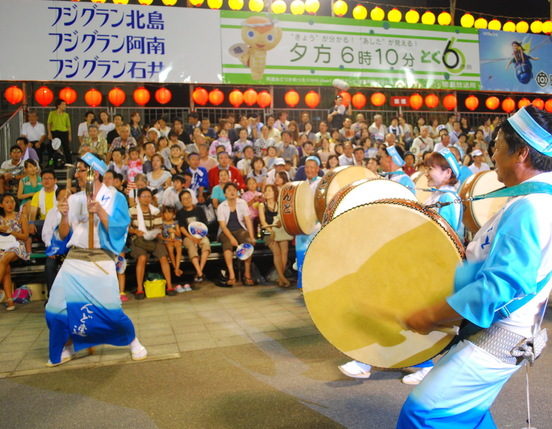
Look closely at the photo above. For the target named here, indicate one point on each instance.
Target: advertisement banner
(306, 50)
(515, 62)
(60, 40)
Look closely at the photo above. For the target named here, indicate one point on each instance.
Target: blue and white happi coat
(84, 303)
(453, 212)
(507, 258)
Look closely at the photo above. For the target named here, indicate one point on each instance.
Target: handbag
(7, 241)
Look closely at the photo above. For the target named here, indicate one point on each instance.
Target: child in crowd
(173, 238)
(118, 164)
(253, 197)
(134, 164)
(217, 195)
(272, 154)
(222, 140)
(258, 172)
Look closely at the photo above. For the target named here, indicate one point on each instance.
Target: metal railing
(9, 131)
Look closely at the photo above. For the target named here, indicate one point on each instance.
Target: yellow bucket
(155, 288)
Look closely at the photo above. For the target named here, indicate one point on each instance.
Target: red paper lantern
(312, 99)
(523, 102)
(216, 97)
(69, 95)
(141, 96)
(416, 101)
(508, 105)
(235, 98)
(377, 99)
(548, 105)
(14, 94)
(44, 96)
(358, 100)
(492, 103)
(163, 95)
(292, 98)
(472, 102)
(93, 97)
(449, 101)
(250, 97)
(346, 98)
(538, 103)
(200, 96)
(431, 101)
(116, 96)
(264, 99)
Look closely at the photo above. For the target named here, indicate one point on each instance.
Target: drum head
(361, 278)
(420, 181)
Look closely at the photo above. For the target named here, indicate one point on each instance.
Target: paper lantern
(523, 102)
(216, 97)
(394, 15)
(250, 97)
(214, 4)
(358, 100)
(145, 2)
(522, 27)
(444, 18)
(412, 16)
(98, 1)
(264, 99)
(312, 99)
(297, 7)
(538, 103)
(467, 20)
(196, 3)
(69, 95)
(169, 2)
(449, 101)
(480, 23)
(120, 1)
(278, 7)
(346, 98)
(547, 27)
(494, 24)
(548, 105)
(44, 96)
(428, 18)
(292, 98)
(377, 99)
(235, 98)
(472, 102)
(509, 26)
(13, 94)
(492, 103)
(256, 5)
(340, 8)
(508, 105)
(93, 97)
(312, 6)
(235, 4)
(360, 12)
(431, 101)
(200, 96)
(536, 27)
(141, 96)
(416, 101)
(163, 95)
(116, 96)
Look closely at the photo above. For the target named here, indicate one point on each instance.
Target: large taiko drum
(362, 192)
(296, 208)
(420, 183)
(477, 213)
(336, 179)
(362, 278)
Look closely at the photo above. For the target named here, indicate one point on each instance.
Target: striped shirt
(151, 221)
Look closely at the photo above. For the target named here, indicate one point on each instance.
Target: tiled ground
(207, 318)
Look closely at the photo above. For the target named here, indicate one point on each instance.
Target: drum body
(362, 192)
(421, 182)
(296, 208)
(334, 180)
(362, 279)
(477, 213)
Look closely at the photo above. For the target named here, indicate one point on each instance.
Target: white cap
(477, 152)
(156, 131)
(279, 161)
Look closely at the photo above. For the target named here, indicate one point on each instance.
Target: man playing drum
(502, 288)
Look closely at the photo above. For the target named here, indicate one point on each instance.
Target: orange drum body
(477, 213)
(334, 180)
(296, 208)
(421, 182)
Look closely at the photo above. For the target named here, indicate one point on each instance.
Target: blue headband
(95, 163)
(392, 151)
(451, 160)
(531, 132)
(313, 158)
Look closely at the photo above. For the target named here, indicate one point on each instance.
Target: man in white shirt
(82, 131)
(478, 165)
(377, 130)
(279, 165)
(422, 143)
(346, 158)
(35, 132)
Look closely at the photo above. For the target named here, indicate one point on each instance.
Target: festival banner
(515, 62)
(312, 50)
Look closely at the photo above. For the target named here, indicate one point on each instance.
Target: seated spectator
(422, 143)
(118, 163)
(478, 165)
(410, 163)
(30, 183)
(105, 125)
(27, 148)
(252, 197)
(273, 132)
(176, 163)
(164, 128)
(116, 131)
(235, 228)
(241, 143)
(163, 148)
(308, 132)
(347, 132)
(258, 172)
(82, 130)
(43, 201)
(95, 141)
(323, 132)
(200, 178)
(347, 157)
(281, 179)
(271, 156)
(12, 170)
(222, 140)
(134, 164)
(244, 164)
(331, 163)
(262, 144)
(217, 194)
(225, 164)
(187, 214)
(372, 165)
(279, 167)
(206, 129)
(377, 130)
(158, 178)
(205, 161)
(136, 129)
(15, 227)
(145, 231)
(287, 149)
(173, 140)
(325, 149)
(172, 237)
(197, 139)
(149, 150)
(35, 132)
(171, 195)
(124, 141)
(358, 156)
(308, 150)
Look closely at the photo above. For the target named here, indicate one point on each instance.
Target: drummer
(392, 161)
(502, 288)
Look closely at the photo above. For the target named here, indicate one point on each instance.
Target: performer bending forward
(84, 308)
(503, 287)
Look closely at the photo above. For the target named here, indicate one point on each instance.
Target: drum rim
(296, 227)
